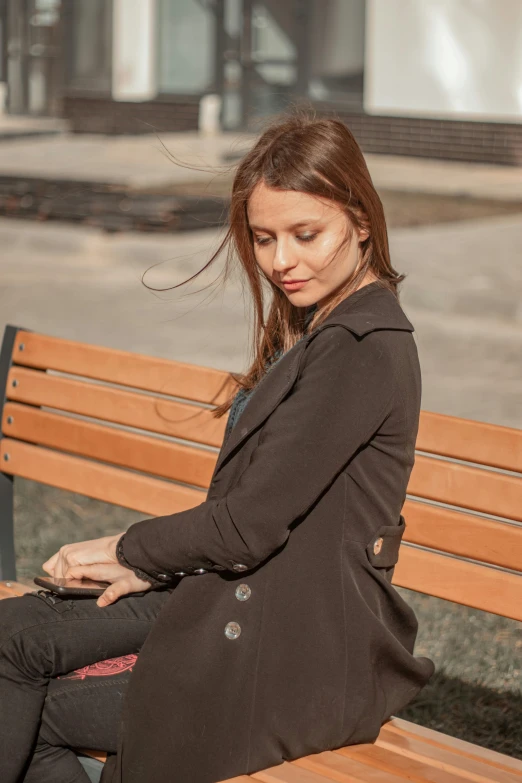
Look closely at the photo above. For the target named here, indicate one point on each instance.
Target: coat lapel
(268, 394)
(367, 310)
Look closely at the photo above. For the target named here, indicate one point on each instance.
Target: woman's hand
(96, 560)
(99, 550)
(123, 580)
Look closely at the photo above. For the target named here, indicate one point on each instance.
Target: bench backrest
(138, 432)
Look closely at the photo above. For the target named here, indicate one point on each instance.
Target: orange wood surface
(151, 496)
(480, 587)
(132, 409)
(10, 589)
(471, 441)
(459, 485)
(156, 456)
(478, 538)
(177, 379)
(405, 728)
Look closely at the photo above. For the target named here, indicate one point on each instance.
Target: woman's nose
(283, 258)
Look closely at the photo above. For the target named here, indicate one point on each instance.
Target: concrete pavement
(143, 161)
(462, 294)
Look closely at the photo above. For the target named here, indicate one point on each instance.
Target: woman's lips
(294, 285)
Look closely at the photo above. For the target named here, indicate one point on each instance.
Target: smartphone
(71, 586)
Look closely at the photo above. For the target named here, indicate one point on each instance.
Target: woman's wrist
(122, 560)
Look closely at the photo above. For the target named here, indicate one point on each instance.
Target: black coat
(313, 475)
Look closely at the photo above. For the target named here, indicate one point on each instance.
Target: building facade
(438, 78)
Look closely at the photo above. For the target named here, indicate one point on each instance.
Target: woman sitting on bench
(265, 619)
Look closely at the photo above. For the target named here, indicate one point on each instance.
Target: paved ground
(462, 293)
(142, 161)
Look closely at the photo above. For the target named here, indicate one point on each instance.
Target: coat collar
(368, 309)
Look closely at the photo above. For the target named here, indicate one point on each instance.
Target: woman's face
(295, 239)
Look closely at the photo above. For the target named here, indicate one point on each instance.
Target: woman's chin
(301, 298)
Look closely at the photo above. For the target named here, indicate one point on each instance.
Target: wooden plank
(408, 747)
(176, 379)
(471, 441)
(463, 534)
(335, 766)
(132, 409)
(455, 580)
(151, 496)
(94, 754)
(288, 773)
(440, 740)
(125, 449)
(473, 488)
(419, 770)
(10, 589)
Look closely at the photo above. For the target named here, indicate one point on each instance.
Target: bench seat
(138, 432)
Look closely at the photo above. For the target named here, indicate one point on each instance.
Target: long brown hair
(319, 157)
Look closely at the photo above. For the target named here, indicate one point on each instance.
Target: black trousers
(64, 668)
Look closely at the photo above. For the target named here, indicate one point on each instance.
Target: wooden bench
(138, 432)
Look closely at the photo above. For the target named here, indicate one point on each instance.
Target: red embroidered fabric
(108, 668)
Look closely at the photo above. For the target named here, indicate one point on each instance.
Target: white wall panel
(444, 58)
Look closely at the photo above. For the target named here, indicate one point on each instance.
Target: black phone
(71, 586)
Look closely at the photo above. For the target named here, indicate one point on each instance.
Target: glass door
(33, 51)
(264, 59)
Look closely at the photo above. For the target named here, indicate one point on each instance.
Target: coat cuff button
(239, 567)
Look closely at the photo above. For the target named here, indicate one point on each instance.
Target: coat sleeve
(343, 393)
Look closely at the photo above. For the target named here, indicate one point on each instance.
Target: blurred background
(121, 122)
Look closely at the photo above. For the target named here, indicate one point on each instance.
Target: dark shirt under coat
(312, 475)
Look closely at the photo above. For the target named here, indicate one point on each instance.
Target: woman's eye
(261, 240)
(307, 237)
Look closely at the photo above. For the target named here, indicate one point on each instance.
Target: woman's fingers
(116, 590)
(99, 550)
(102, 572)
(126, 586)
(123, 580)
(50, 564)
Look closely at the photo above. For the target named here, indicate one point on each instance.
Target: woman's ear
(363, 235)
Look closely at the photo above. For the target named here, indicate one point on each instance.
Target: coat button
(180, 573)
(377, 546)
(201, 571)
(232, 630)
(239, 567)
(163, 576)
(243, 592)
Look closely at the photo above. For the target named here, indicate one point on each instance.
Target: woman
(275, 631)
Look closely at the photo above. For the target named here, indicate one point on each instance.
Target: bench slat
(471, 441)
(421, 769)
(126, 449)
(409, 748)
(474, 488)
(132, 409)
(343, 769)
(288, 773)
(151, 496)
(477, 538)
(10, 589)
(456, 580)
(438, 739)
(177, 379)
